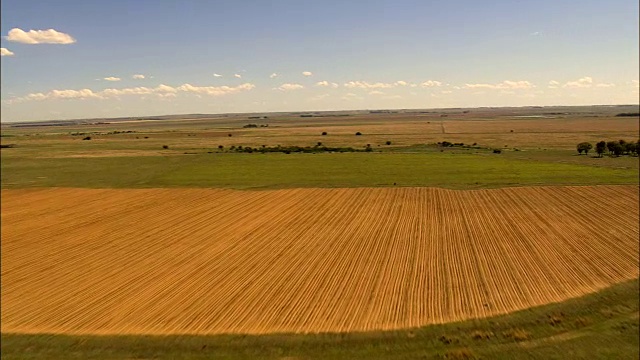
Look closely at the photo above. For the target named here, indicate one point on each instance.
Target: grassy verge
(602, 325)
(255, 171)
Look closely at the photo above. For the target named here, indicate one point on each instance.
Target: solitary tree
(600, 148)
(584, 146)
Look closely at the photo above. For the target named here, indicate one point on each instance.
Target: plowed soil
(200, 261)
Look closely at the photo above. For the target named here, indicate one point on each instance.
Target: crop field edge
(576, 327)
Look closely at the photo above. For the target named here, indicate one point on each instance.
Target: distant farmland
(211, 261)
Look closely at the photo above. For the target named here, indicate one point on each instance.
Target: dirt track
(200, 261)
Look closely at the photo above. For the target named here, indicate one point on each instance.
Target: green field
(276, 170)
(603, 325)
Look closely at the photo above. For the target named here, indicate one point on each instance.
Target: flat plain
(120, 235)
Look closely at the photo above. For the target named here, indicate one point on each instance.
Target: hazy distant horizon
(179, 115)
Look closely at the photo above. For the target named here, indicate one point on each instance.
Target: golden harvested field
(159, 261)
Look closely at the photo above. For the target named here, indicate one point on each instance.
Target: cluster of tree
(101, 133)
(255, 125)
(294, 149)
(629, 114)
(617, 148)
(449, 144)
(460, 144)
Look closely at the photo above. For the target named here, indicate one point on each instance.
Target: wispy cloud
(237, 76)
(289, 87)
(376, 92)
(5, 52)
(351, 96)
(307, 73)
(536, 33)
(216, 75)
(507, 84)
(381, 85)
(605, 85)
(583, 82)
(553, 84)
(49, 36)
(366, 85)
(163, 91)
(138, 76)
(112, 78)
(274, 75)
(319, 97)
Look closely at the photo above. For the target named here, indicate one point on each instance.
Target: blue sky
(356, 55)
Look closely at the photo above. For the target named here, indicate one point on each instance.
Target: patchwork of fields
(211, 261)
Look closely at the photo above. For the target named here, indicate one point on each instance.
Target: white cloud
(273, 75)
(400, 83)
(288, 87)
(215, 90)
(553, 84)
(584, 82)
(112, 78)
(65, 95)
(431, 83)
(605, 85)
(49, 36)
(138, 76)
(5, 52)
(126, 91)
(507, 84)
(237, 76)
(376, 92)
(162, 88)
(162, 91)
(216, 75)
(536, 33)
(307, 73)
(327, 84)
(446, 92)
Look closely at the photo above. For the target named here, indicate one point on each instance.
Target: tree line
(616, 147)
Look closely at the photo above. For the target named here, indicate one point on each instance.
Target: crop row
(204, 261)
